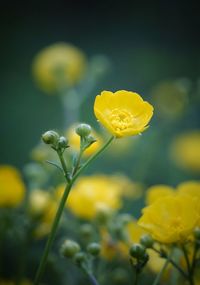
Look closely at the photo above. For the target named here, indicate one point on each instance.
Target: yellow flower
(12, 188)
(92, 194)
(74, 141)
(122, 113)
(191, 188)
(42, 207)
(158, 191)
(185, 151)
(171, 218)
(58, 65)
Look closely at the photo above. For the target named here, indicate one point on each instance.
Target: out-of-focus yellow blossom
(91, 194)
(185, 150)
(171, 218)
(58, 65)
(12, 188)
(74, 141)
(122, 113)
(171, 98)
(191, 188)
(43, 208)
(158, 191)
(127, 188)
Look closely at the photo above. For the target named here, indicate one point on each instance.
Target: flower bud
(86, 231)
(83, 130)
(69, 248)
(50, 137)
(147, 241)
(79, 258)
(137, 251)
(90, 140)
(94, 248)
(197, 233)
(62, 142)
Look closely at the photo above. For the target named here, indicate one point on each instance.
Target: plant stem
(63, 200)
(190, 273)
(64, 166)
(93, 280)
(136, 278)
(173, 263)
(158, 277)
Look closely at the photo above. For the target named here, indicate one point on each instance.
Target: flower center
(176, 223)
(121, 119)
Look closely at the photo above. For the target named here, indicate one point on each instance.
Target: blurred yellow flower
(74, 141)
(123, 113)
(185, 150)
(12, 188)
(58, 65)
(191, 188)
(158, 191)
(92, 194)
(166, 92)
(171, 218)
(42, 207)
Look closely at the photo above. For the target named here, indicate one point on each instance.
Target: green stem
(158, 277)
(190, 273)
(194, 258)
(60, 210)
(136, 278)
(64, 166)
(173, 263)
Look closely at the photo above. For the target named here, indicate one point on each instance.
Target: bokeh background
(146, 42)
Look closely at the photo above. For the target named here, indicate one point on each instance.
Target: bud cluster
(84, 131)
(57, 142)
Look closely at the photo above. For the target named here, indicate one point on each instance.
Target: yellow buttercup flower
(171, 219)
(74, 141)
(158, 191)
(123, 113)
(58, 65)
(185, 150)
(92, 194)
(42, 207)
(191, 188)
(12, 188)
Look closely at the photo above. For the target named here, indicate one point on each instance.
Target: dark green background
(147, 41)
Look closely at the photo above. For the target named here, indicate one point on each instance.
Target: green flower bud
(50, 137)
(147, 241)
(125, 219)
(90, 140)
(62, 142)
(83, 130)
(86, 231)
(137, 251)
(79, 258)
(197, 233)
(94, 248)
(69, 248)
